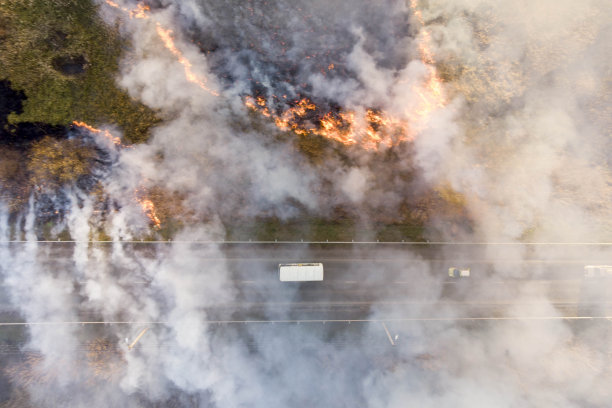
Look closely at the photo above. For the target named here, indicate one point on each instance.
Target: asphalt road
(384, 281)
(374, 298)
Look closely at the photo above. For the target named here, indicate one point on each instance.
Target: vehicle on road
(454, 272)
(597, 271)
(300, 272)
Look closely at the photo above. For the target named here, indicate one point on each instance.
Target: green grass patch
(65, 58)
(321, 230)
(400, 232)
(13, 334)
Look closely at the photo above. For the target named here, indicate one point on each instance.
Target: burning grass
(304, 118)
(67, 77)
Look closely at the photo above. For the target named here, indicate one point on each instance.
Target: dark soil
(70, 65)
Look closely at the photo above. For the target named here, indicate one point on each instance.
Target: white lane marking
(388, 334)
(406, 319)
(418, 243)
(446, 282)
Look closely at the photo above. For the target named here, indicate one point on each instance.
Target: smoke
(515, 127)
(533, 81)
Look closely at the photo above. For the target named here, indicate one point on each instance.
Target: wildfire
(165, 34)
(105, 133)
(149, 209)
(140, 11)
(166, 37)
(258, 104)
(431, 95)
(372, 128)
(368, 131)
(424, 46)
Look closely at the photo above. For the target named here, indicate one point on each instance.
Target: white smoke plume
(532, 76)
(520, 136)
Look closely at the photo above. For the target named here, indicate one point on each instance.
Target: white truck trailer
(300, 272)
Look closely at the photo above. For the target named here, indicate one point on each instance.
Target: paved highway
(392, 280)
(375, 298)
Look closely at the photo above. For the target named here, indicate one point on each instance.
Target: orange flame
(374, 128)
(166, 37)
(424, 46)
(149, 209)
(113, 4)
(431, 95)
(140, 11)
(92, 129)
(258, 104)
(370, 131)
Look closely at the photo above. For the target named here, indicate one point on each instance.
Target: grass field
(322, 230)
(65, 58)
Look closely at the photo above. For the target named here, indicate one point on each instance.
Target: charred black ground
(19, 136)
(274, 49)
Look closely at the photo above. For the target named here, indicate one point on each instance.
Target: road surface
(387, 281)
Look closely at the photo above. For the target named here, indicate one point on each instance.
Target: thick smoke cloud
(521, 135)
(534, 83)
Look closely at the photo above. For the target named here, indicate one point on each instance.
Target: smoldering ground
(520, 133)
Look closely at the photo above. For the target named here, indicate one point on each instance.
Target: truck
(300, 272)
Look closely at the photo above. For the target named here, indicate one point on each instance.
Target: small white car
(597, 271)
(458, 272)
